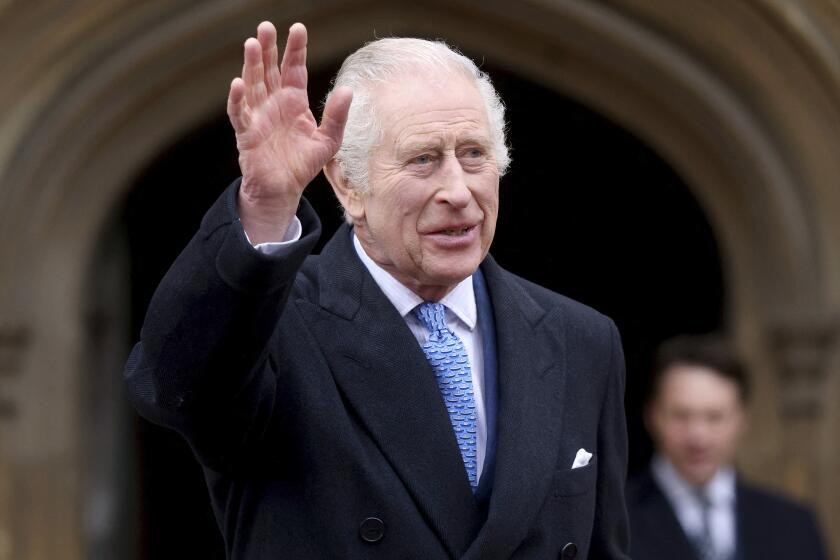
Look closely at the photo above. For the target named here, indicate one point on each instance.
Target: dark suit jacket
(312, 409)
(769, 526)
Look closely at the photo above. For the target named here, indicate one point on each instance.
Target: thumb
(335, 115)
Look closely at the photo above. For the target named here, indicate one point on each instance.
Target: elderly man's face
(696, 421)
(430, 213)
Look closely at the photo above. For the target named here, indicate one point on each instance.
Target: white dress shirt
(461, 316)
(682, 496)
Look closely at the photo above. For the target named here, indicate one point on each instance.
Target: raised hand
(281, 147)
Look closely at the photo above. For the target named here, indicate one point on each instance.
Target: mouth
(455, 231)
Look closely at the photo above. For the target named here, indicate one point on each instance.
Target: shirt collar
(719, 490)
(461, 300)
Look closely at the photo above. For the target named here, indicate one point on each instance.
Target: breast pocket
(572, 482)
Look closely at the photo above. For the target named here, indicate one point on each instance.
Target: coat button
(569, 551)
(372, 530)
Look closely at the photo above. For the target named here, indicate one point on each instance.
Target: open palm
(281, 147)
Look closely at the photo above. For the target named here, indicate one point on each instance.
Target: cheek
(729, 437)
(408, 198)
(404, 213)
(391, 202)
(676, 437)
(490, 202)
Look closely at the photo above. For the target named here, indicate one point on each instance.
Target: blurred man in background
(691, 503)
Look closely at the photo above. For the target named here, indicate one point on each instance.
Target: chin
(699, 475)
(453, 275)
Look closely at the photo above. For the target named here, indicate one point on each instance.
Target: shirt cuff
(292, 234)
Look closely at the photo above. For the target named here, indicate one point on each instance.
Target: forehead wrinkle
(460, 111)
(437, 132)
(438, 116)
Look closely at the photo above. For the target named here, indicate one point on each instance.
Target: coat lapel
(531, 392)
(750, 525)
(659, 521)
(382, 372)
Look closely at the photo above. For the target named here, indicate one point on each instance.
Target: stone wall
(741, 96)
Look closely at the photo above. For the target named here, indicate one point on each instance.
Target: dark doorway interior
(587, 210)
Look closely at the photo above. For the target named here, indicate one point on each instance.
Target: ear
(349, 197)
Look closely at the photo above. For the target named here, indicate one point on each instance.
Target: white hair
(388, 59)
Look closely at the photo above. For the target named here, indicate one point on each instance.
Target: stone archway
(698, 83)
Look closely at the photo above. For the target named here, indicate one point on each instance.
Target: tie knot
(431, 315)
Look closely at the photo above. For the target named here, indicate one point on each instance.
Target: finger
(335, 114)
(293, 68)
(267, 36)
(252, 73)
(236, 106)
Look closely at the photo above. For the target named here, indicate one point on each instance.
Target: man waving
(399, 395)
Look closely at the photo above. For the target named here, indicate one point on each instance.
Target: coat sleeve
(201, 366)
(610, 537)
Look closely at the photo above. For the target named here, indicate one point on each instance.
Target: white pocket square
(582, 458)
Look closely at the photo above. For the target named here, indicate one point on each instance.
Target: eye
(422, 159)
(472, 155)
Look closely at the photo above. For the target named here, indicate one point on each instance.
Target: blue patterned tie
(448, 358)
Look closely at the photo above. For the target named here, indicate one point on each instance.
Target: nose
(454, 186)
(698, 432)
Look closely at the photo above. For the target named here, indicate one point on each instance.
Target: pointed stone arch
(743, 100)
